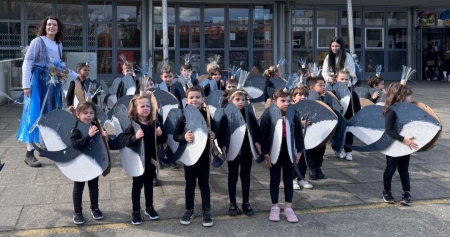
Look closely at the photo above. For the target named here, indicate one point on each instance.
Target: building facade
(244, 33)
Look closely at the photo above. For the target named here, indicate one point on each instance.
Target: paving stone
(367, 192)
(17, 177)
(425, 189)
(48, 216)
(330, 196)
(3, 125)
(364, 175)
(51, 176)
(28, 195)
(332, 176)
(9, 217)
(439, 169)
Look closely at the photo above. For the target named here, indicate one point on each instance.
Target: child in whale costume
(140, 111)
(244, 159)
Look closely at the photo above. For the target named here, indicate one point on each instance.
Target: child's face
(143, 107)
(83, 72)
(283, 103)
(167, 78)
(185, 73)
(195, 99)
(231, 86)
(86, 116)
(239, 101)
(344, 78)
(298, 97)
(216, 76)
(319, 87)
(127, 71)
(380, 85)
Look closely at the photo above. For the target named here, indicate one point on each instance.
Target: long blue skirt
(32, 105)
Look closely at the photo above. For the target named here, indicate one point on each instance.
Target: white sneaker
(341, 155)
(296, 187)
(348, 156)
(304, 184)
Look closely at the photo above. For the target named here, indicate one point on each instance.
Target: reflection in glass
(374, 38)
(396, 60)
(211, 54)
(397, 38)
(296, 55)
(302, 37)
(38, 9)
(262, 60)
(159, 36)
(10, 34)
(239, 59)
(190, 13)
(302, 17)
(374, 18)
(104, 61)
(70, 10)
(157, 12)
(10, 9)
(157, 63)
(214, 13)
(99, 11)
(321, 56)
(356, 34)
(32, 31)
(184, 36)
(129, 11)
(214, 37)
(73, 36)
(356, 18)
(397, 18)
(373, 58)
(128, 36)
(238, 14)
(324, 37)
(104, 34)
(262, 14)
(262, 37)
(238, 36)
(10, 54)
(132, 56)
(327, 17)
(195, 36)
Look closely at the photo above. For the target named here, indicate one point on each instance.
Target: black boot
(1, 165)
(31, 160)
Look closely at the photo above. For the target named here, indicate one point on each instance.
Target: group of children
(140, 111)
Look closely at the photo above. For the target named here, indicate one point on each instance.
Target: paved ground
(39, 201)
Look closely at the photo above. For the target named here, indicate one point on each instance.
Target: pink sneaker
(274, 214)
(290, 215)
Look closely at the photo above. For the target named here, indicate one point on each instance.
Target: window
(325, 35)
(374, 38)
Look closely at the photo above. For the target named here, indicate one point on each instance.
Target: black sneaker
(406, 199)
(151, 213)
(233, 210)
(247, 209)
(78, 218)
(155, 182)
(207, 220)
(387, 197)
(312, 174)
(97, 214)
(187, 217)
(319, 173)
(136, 218)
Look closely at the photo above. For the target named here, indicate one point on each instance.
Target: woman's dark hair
(341, 54)
(61, 28)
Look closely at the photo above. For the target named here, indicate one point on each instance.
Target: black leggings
(302, 167)
(284, 162)
(245, 161)
(349, 141)
(200, 171)
(315, 157)
(146, 180)
(401, 164)
(77, 195)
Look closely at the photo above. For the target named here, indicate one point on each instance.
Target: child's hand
(139, 134)
(70, 109)
(267, 161)
(408, 141)
(212, 135)
(375, 95)
(158, 131)
(189, 136)
(224, 151)
(92, 130)
(258, 147)
(304, 122)
(299, 154)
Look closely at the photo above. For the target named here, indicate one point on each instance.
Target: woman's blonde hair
(132, 111)
(271, 72)
(395, 93)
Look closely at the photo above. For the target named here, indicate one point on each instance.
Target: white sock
(29, 147)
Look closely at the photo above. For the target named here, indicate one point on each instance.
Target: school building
(245, 33)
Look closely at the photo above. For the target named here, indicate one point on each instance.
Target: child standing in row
(376, 82)
(83, 73)
(397, 93)
(140, 111)
(282, 101)
(200, 170)
(245, 157)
